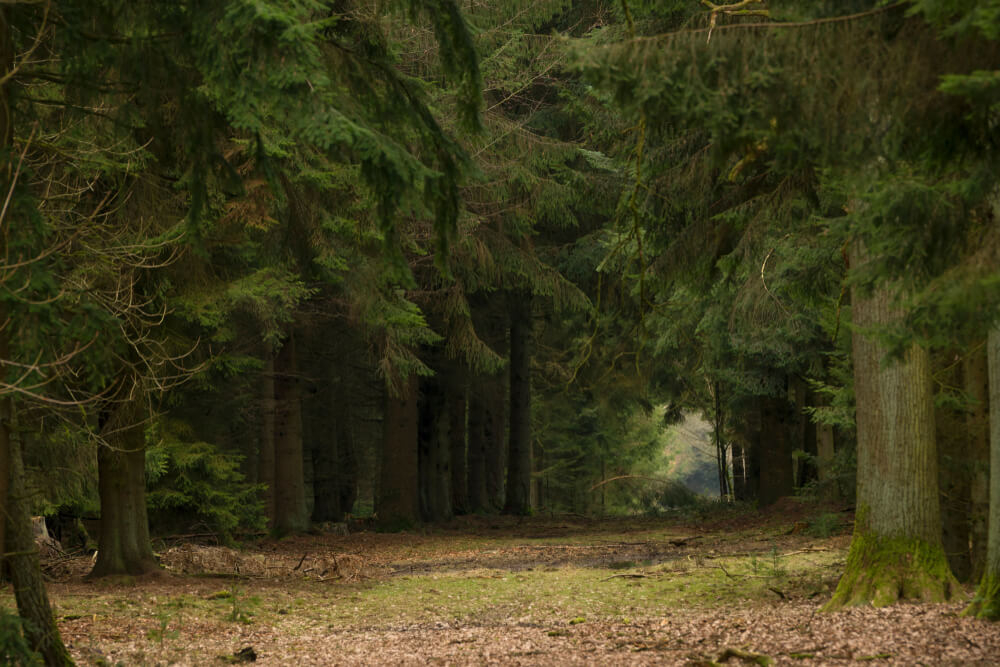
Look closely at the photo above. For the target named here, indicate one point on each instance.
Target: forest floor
(689, 590)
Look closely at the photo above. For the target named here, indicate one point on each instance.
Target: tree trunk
(6, 175)
(347, 457)
(33, 606)
(476, 484)
(321, 416)
(825, 452)
(399, 494)
(986, 604)
(976, 375)
(896, 551)
(519, 449)
(776, 477)
(123, 547)
(954, 442)
(265, 458)
(457, 443)
(290, 512)
(434, 452)
(494, 438)
(720, 448)
(5, 428)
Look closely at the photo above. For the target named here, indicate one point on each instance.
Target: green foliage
(191, 485)
(14, 649)
(825, 525)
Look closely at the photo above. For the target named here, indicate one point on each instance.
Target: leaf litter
(534, 592)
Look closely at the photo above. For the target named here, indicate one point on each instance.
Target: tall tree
(896, 551)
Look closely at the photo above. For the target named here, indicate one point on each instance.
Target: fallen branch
(627, 576)
(758, 658)
(805, 551)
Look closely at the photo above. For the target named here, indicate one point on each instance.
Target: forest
(389, 285)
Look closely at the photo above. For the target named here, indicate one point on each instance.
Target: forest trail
(539, 591)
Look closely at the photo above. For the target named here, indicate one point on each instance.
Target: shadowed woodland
(550, 332)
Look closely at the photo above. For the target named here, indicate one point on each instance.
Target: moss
(883, 570)
(986, 604)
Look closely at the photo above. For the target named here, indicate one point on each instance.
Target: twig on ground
(633, 575)
(758, 658)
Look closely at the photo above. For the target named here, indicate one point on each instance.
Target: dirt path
(538, 592)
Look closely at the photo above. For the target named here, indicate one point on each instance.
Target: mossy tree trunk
(124, 547)
(519, 447)
(896, 551)
(987, 601)
(398, 504)
(33, 606)
(290, 511)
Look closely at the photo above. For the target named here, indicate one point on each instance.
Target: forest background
(272, 264)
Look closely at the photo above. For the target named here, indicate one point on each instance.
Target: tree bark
(434, 452)
(457, 443)
(986, 604)
(40, 629)
(776, 476)
(290, 512)
(123, 547)
(399, 494)
(6, 176)
(825, 452)
(321, 418)
(975, 373)
(896, 551)
(954, 442)
(495, 441)
(476, 477)
(265, 458)
(519, 448)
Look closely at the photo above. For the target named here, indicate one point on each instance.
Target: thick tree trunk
(976, 376)
(494, 437)
(434, 452)
(896, 551)
(954, 441)
(347, 458)
(476, 479)
(5, 433)
(265, 457)
(322, 411)
(987, 601)
(519, 449)
(290, 512)
(123, 547)
(399, 494)
(457, 443)
(321, 418)
(6, 174)
(33, 606)
(776, 476)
